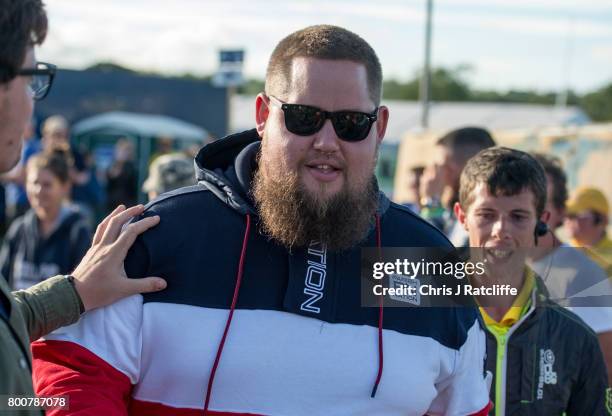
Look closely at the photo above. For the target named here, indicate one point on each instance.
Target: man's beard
(294, 216)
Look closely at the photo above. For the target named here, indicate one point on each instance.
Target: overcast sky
(538, 44)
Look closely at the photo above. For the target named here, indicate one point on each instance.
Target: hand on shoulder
(100, 278)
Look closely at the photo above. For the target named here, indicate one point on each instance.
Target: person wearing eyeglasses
(99, 278)
(586, 223)
(263, 311)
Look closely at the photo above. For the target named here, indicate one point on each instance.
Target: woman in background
(52, 236)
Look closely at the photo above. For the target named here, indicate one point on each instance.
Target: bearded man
(262, 313)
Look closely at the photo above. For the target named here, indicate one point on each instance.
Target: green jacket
(32, 313)
(548, 363)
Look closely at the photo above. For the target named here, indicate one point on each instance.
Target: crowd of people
(237, 290)
(582, 264)
(93, 191)
(53, 197)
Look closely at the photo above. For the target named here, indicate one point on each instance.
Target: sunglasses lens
(303, 120)
(351, 126)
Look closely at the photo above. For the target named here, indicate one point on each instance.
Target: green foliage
(394, 90)
(598, 104)
(251, 87)
(194, 77)
(447, 84)
(450, 85)
(108, 67)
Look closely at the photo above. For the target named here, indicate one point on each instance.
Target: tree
(108, 67)
(251, 87)
(446, 85)
(598, 104)
(394, 90)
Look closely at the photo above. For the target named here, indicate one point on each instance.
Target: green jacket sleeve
(48, 305)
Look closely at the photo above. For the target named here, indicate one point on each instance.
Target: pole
(561, 100)
(426, 76)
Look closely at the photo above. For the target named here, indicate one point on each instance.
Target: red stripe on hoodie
(485, 411)
(93, 386)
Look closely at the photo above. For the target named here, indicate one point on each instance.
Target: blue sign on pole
(233, 56)
(229, 73)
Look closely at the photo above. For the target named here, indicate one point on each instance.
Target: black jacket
(553, 364)
(27, 258)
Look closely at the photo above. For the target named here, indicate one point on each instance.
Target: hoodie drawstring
(211, 378)
(380, 315)
(213, 371)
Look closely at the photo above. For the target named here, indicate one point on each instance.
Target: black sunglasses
(305, 120)
(42, 79)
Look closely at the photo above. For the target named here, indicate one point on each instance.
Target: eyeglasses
(42, 79)
(581, 218)
(305, 120)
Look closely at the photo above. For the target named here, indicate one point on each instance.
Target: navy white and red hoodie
(249, 327)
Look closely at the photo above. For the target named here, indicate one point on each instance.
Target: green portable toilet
(99, 134)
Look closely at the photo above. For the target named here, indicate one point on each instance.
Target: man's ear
(262, 110)
(460, 215)
(381, 122)
(545, 217)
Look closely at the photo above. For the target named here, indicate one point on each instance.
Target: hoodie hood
(226, 168)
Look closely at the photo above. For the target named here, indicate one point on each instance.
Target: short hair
(55, 122)
(553, 168)
(322, 42)
(505, 172)
(56, 161)
(23, 23)
(466, 142)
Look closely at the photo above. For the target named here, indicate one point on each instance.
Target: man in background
(168, 172)
(568, 272)
(122, 176)
(86, 191)
(440, 181)
(586, 222)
